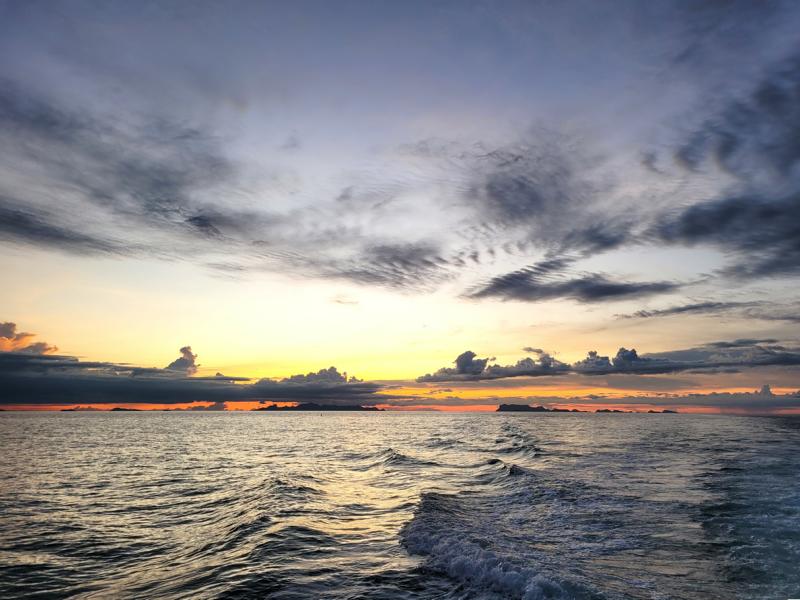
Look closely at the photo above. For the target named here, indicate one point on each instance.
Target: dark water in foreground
(355, 505)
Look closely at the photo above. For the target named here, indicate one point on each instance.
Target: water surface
(388, 505)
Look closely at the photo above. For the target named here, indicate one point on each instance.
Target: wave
(457, 535)
(389, 457)
(516, 441)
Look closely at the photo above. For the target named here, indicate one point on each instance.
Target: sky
(575, 204)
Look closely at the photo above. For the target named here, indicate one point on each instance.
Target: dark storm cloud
(26, 379)
(736, 354)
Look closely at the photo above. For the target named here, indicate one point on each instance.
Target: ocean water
(389, 505)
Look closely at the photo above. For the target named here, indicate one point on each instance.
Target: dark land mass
(98, 410)
(526, 408)
(310, 406)
(541, 409)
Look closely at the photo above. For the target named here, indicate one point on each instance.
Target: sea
(398, 505)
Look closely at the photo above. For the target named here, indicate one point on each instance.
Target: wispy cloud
(709, 307)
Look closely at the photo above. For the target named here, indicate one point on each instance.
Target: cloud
(760, 232)
(715, 356)
(755, 402)
(548, 186)
(775, 313)
(144, 174)
(186, 363)
(87, 169)
(29, 379)
(760, 310)
(754, 134)
(742, 343)
(13, 341)
(330, 375)
(408, 266)
(755, 140)
(28, 226)
(593, 362)
(528, 285)
(694, 308)
(217, 406)
(468, 367)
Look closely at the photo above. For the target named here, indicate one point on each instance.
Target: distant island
(526, 408)
(116, 409)
(542, 409)
(313, 406)
(651, 412)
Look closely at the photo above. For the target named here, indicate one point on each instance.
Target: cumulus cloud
(592, 362)
(468, 367)
(27, 378)
(186, 363)
(13, 341)
(327, 376)
(715, 356)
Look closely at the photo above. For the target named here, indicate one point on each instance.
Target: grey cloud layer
(738, 354)
(509, 216)
(27, 379)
